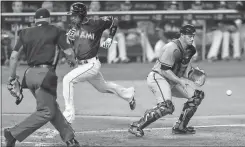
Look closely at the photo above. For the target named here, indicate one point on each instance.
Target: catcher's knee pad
(155, 113)
(190, 108)
(197, 98)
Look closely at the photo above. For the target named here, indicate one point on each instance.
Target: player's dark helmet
(78, 8)
(188, 29)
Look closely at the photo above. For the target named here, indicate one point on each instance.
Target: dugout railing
(19, 19)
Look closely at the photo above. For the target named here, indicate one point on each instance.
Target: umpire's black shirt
(39, 43)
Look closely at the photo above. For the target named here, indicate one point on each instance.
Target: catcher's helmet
(79, 9)
(188, 29)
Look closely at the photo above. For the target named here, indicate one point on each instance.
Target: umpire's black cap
(42, 13)
(188, 29)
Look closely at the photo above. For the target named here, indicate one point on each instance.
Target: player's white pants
(146, 45)
(90, 72)
(224, 37)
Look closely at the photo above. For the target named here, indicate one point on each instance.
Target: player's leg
(194, 97)
(79, 74)
(226, 45)
(103, 86)
(162, 91)
(64, 128)
(214, 49)
(236, 45)
(122, 47)
(145, 43)
(44, 113)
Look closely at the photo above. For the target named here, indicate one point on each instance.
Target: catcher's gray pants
(42, 82)
(164, 90)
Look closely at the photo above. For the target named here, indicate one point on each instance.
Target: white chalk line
(125, 130)
(119, 130)
(52, 132)
(150, 129)
(136, 117)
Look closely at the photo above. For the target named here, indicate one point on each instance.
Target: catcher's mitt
(197, 75)
(15, 89)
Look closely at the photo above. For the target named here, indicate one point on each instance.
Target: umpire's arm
(14, 58)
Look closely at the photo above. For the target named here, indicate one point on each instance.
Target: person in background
(6, 47)
(129, 33)
(123, 26)
(240, 6)
(226, 29)
(17, 6)
(94, 6)
(196, 5)
(48, 5)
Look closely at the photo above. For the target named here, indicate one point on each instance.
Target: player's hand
(107, 44)
(72, 63)
(184, 82)
(71, 34)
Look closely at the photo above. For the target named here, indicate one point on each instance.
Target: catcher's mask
(188, 31)
(78, 12)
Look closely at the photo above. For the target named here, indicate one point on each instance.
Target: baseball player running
(39, 45)
(172, 75)
(85, 36)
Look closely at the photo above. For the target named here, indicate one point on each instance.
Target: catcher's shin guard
(188, 111)
(155, 113)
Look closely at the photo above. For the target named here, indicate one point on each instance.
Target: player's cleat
(72, 143)
(9, 139)
(132, 104)
(188, 130)
(136, 131)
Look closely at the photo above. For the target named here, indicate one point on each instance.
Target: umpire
(39, 45)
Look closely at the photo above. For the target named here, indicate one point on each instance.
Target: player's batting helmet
(79, 9)
(188, 29)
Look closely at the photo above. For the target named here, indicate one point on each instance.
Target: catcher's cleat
(188, 130)
(132, 104)
(136, 131)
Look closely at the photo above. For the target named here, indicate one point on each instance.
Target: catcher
(172, 75)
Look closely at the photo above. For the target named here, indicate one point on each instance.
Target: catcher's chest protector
(182, 62)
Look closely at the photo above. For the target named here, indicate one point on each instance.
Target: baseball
(229, 92)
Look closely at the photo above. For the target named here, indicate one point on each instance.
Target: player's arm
(110, 23)
(113, 28)
(67, 48)
(14, 58)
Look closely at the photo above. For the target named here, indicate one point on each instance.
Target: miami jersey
(87, 37)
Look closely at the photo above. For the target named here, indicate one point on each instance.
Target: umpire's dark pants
(43, 84)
